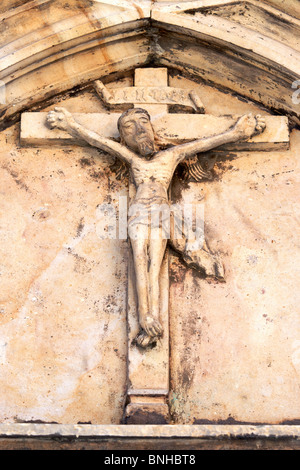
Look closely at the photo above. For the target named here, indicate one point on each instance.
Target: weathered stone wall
(63, 289)
(234, 346)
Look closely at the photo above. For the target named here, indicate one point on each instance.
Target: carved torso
(152, 177)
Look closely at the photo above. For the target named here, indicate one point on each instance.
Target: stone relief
(229, 352)
(152, 170)
(155, 142)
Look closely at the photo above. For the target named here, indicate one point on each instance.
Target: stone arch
(51, 47)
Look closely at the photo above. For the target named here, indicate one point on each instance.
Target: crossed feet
(150, 333)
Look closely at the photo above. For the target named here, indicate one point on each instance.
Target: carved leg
(140, 258)
(148, 256)
(157, 250)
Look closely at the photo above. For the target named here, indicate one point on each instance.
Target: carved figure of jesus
(152, 171)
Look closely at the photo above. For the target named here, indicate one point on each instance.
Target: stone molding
(59, 50)
(32, 436)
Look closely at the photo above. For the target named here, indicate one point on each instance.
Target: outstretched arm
(247, 126)
(63, 119)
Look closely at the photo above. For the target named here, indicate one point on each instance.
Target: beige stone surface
(63, 289)
(234, 346)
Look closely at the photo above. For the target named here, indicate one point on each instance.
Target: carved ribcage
(120, 169)
(192, 169)
(197, 170)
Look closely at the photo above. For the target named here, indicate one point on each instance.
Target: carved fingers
(260, 124)
(245, 126)
(60, 118)
(249, 125)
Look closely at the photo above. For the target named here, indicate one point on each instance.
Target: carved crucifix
(152, 169)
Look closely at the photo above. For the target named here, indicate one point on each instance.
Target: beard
(146, 147)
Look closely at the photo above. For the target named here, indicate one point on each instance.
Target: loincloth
(147, 214)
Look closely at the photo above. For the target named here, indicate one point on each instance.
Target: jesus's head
(136, 131)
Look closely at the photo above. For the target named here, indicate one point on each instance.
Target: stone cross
(147, 399)
(148, 370)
